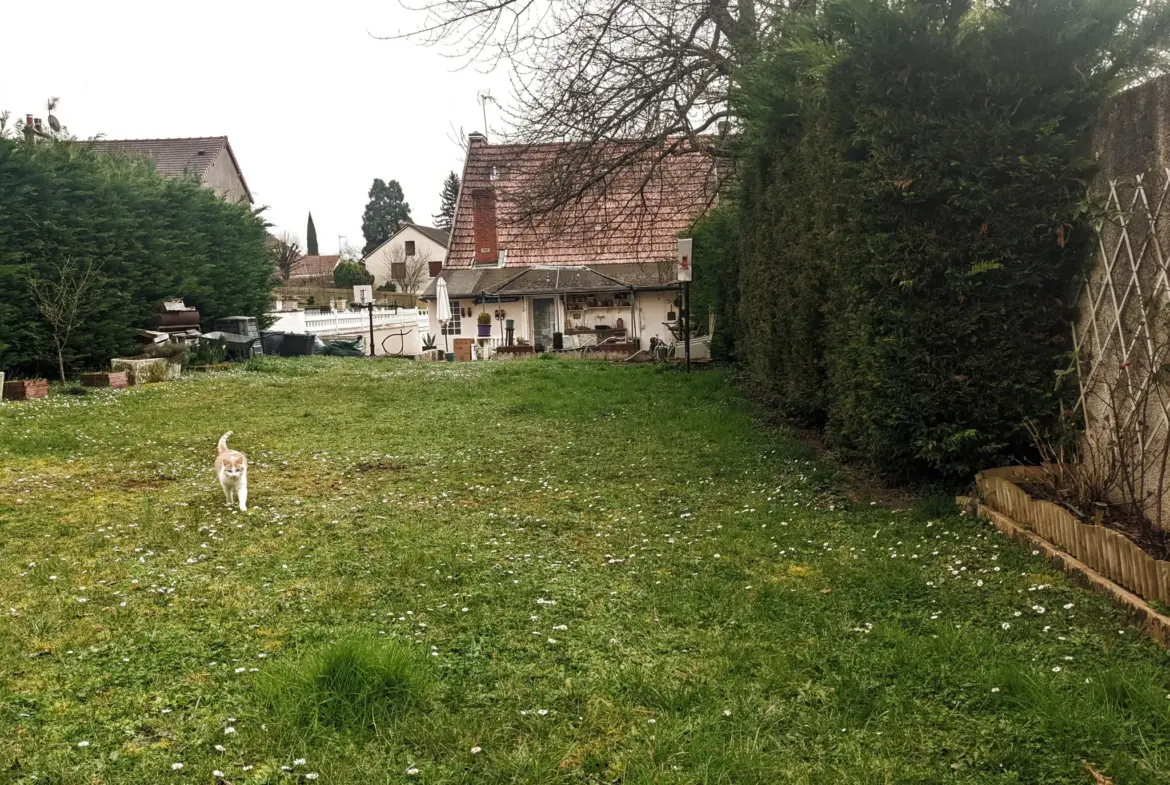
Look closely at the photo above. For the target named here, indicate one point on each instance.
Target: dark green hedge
(151, 238)
(911, 218)
(351, 274)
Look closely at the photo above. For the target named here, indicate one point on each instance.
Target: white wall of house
(223, 178)
(469, 328)
(425, 250)
(652, 308)
(647, 321)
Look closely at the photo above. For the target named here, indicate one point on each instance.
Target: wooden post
(371, 307)
(685, 272)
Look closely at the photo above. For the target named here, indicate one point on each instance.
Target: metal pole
(687, 321)
(371, 307)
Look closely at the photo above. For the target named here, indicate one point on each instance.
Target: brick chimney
(475, 137)
(483, 214)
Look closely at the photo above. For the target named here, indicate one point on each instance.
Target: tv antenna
(54, 123)
(484, 97)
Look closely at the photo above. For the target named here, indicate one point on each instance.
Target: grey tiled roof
(174, 157)
(510, 281)
(438, 235)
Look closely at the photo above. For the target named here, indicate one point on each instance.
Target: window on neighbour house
(453, 327)
(410, 247)
(435, 268)
(398, 271)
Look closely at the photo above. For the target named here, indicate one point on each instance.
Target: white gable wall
(223, 178)
(426, 250)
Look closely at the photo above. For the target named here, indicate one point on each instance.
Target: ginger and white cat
(231, 466)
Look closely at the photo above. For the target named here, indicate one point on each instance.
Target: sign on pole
(363, 294)
(684, 258)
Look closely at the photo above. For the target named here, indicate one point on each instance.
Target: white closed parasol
(443, 305)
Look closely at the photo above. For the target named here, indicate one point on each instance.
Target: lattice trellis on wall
(1121, 335)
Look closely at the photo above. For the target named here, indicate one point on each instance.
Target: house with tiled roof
(315, 267)
(600, 266)
(209, 159)
(410, 259)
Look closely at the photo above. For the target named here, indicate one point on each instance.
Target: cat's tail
(223, 442)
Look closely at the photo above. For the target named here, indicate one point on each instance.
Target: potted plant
(428, 343)
(484, 320)
(24, 389)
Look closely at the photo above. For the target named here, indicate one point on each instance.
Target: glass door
(544, 322)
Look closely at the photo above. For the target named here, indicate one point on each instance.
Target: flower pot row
(27, 389)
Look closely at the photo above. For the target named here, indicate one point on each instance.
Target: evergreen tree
(311, 237)
(385, 213)
(445, 218)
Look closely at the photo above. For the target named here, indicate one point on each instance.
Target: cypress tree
(311, 237)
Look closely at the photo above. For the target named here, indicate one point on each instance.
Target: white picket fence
(349, 322)
(340, 322)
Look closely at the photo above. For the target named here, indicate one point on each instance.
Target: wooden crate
(463, 349)
(24, 389)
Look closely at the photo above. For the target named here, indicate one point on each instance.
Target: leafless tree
(63, 298)
(407, 272)
(656, 71)
(350, 252)
(285, 253)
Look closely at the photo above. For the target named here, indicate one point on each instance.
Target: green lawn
(593, 574)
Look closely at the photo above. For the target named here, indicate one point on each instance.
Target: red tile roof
(175, 157)
(636, 216)
(314, 266)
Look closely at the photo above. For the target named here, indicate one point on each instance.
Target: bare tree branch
(285, 254)
(602, 71)
(63, 299)
(407, 272)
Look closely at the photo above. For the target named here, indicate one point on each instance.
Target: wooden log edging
(1104, 550)
(1156, 625)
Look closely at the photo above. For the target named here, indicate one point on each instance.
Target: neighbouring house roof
(176, 157)
(635, 216)
(314, 266)
(463, 283)
(437, 235)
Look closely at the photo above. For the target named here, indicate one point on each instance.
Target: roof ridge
(159, 139)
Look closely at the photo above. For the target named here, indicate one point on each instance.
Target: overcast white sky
(314, 107)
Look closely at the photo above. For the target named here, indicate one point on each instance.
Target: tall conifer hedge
(149, 237)
(912, 216)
